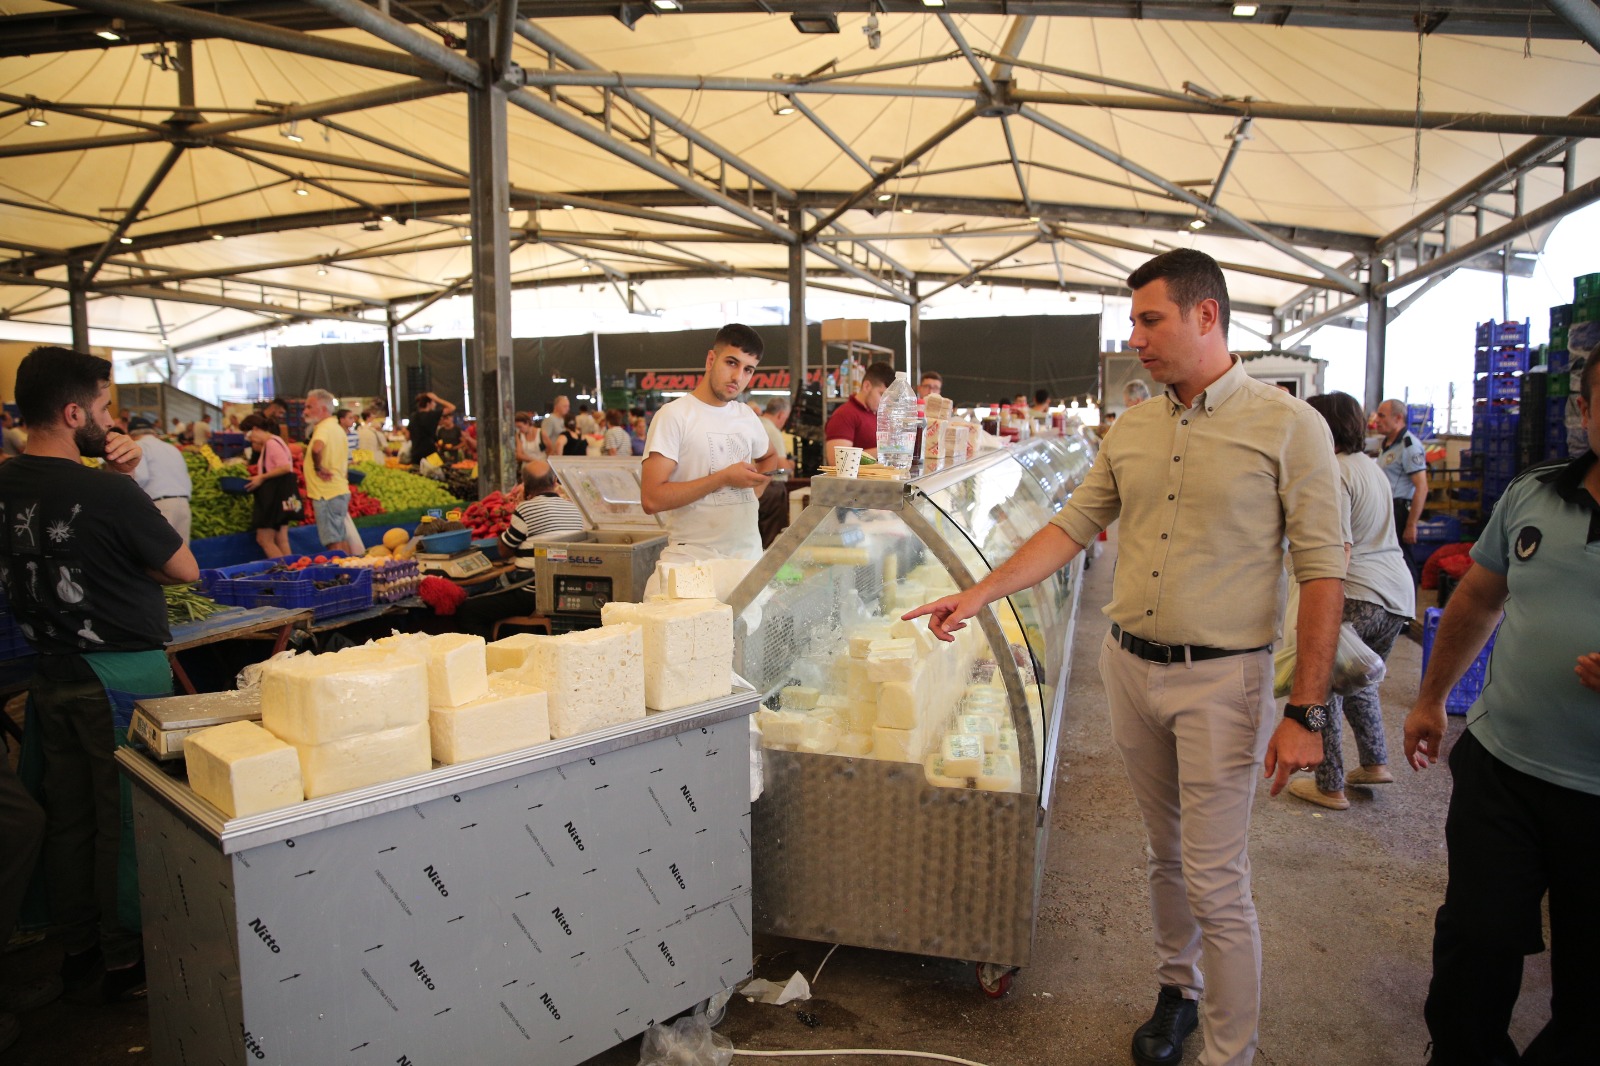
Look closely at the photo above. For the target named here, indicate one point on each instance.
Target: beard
(91, 440)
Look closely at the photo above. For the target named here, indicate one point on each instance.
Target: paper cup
(847, 461)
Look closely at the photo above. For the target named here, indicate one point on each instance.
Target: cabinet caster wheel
(995, 979)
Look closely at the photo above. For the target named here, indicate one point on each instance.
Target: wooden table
(233, 624)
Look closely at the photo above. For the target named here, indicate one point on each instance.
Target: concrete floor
(1346, 902)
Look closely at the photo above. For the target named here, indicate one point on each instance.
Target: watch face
(1316, 717)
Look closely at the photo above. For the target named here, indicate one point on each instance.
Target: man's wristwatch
(1312, 716)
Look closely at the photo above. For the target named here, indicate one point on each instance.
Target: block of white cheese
(899, 745)
(509, 716)
(857, 685)
(369, 759)
(981, 726)
(963, 754)
(509, 653)
(917, 631)
(861, 638)
(818, 737)
(315, 699)
(781, 728)
(999, 774)
(832, 715)
(593, 678)
(688, 649)
(241, 769)
(1006, 744)
(891, 660)
(687, 581)
(458, 671)
(858, 716)
(902, 704)
(857, 744)
(933, 770)
(798, 698)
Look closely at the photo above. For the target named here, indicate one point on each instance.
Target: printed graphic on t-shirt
(25, 529)
(726, 449)
(58, 534)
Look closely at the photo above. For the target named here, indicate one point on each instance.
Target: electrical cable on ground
(882, 1052)
(823, 963)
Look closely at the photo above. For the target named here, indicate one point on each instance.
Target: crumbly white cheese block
(241, 769)
(899, 745)
(686, 581)
(831, 715)
(798, 697)
(726, 575)
(933, 769)
(905, 595)
(688, 649)
(999, 774)
(861, 639)
(918, 632)
(593, 678)
(981, 726)
(963, 754)
(856, 744)
(780, 728)
(891, 660)
(857, 685)
(859, 716)
(832, 699)
(509, 653)
(818, 737)
(903, 704)
(369, 759)
(315, 699)
(510, 716)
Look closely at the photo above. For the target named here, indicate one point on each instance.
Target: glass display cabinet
(908, 780)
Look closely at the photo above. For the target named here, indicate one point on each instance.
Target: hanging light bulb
(300, 189)
(36, 117)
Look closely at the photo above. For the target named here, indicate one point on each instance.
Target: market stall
(538, 905)
(873, 830)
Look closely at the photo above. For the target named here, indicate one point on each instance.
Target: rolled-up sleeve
(1308, 485)
(1094, 505)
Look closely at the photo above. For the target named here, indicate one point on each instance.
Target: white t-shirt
(703, 439)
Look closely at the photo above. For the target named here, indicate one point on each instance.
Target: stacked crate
(1499, 366)
(1419, 419)
(1558, 365)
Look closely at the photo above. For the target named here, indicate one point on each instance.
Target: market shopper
(617, 440)
(84, 554)
(528, 440)
(1379, 600)
(369, 433)
(707, 458)
(1208, 481)
(1134, 393)
(275, 495)
(854, 423)
(931, 384)
(1526, 770)
(1405, 463)
(327, 470)
(554, 424)
(163, 475)
(427, 409)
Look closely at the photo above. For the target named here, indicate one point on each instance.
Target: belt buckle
(1167, 648)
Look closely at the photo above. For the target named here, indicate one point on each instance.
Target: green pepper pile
(214, 512)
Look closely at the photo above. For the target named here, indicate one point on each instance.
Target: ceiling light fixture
(781, 103)
(932, 3)
(1197, 224)
(885, 197)
(819, 23)
(666, 5)
(905, 210)
(385, 218)
(1034, 218)
(568, 207)
(125, 240)
(291, 132)
(300, 189)
(216, 236)
(1244, 11)
(112, 32)
(322, 272)
(36, 117)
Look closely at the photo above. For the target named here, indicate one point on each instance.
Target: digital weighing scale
(457, 567)
(612, 558)
(161, 724)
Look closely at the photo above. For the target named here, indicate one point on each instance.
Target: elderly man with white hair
(163, 475)
(328, 472)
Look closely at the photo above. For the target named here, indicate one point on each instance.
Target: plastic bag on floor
(689, 1041)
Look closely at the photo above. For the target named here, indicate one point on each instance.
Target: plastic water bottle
(897, 423)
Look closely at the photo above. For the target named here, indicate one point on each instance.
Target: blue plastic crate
(1501, 387)
(1485, 334)
(1465, 694)
(1560, 315)
(1480, 361)
(221, 584)
(1508, 361)
(1446, 529)
(1419, 416)
(1558, 361)
(1557, 449)
(1500, 446)
(1502, 419)
(1507, 334)
(297, 591)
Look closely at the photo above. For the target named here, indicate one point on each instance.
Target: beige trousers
(1192, 737)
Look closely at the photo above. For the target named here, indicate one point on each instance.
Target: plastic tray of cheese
(393, 708)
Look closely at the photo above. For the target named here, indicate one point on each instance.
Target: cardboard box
(846, 329)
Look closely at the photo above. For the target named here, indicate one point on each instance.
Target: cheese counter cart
(539, 906)
(576, 574)
(865, 849)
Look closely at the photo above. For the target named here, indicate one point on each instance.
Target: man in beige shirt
(1209, 480)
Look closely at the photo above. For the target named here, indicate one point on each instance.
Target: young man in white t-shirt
(707, 458)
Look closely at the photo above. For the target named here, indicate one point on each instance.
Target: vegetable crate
(342, 590)
(1465, 694)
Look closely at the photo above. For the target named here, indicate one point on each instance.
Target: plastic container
(234, 485)
(298, 590)
(897, 423)
(448, 543)
(354, 476)
(1465, 694)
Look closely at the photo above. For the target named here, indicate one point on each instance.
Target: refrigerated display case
(861, 838)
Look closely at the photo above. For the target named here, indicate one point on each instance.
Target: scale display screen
(577, 594)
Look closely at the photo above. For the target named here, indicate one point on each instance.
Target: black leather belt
(1166, 654)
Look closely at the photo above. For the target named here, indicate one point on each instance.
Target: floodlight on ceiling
(386, 218)
(569, 207)
(36, 118)
(825, 22)
(932, 3)
(885, 197)
(781, 104)
(322, 272)
(125, 240)
(666, 5)
(291, 131)
(112, 32)
(300, 189)
(1244, 11)
(1198, 223)
(216, 236)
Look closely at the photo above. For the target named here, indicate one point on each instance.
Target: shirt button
(1171, 497)
(1177, 458)
(1147, 614)
(1155, 573)
(1185, 422)
(1163, 536)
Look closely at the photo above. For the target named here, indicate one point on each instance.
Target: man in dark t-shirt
(424, 425)
(83, 556)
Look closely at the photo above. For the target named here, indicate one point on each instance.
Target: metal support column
(391, 367)
(797, 312)
(491, 268)
(78, 301)
(1377, 332)
(914, 338)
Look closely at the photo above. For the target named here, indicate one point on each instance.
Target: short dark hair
(931, 375)
(1590, 379)
(740, 336)
(341, 412)
(1191, 276)
(50, 378)
(258, 421)
(879, 374)
(1041, 395)
(422, 402)
(1344, 417)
